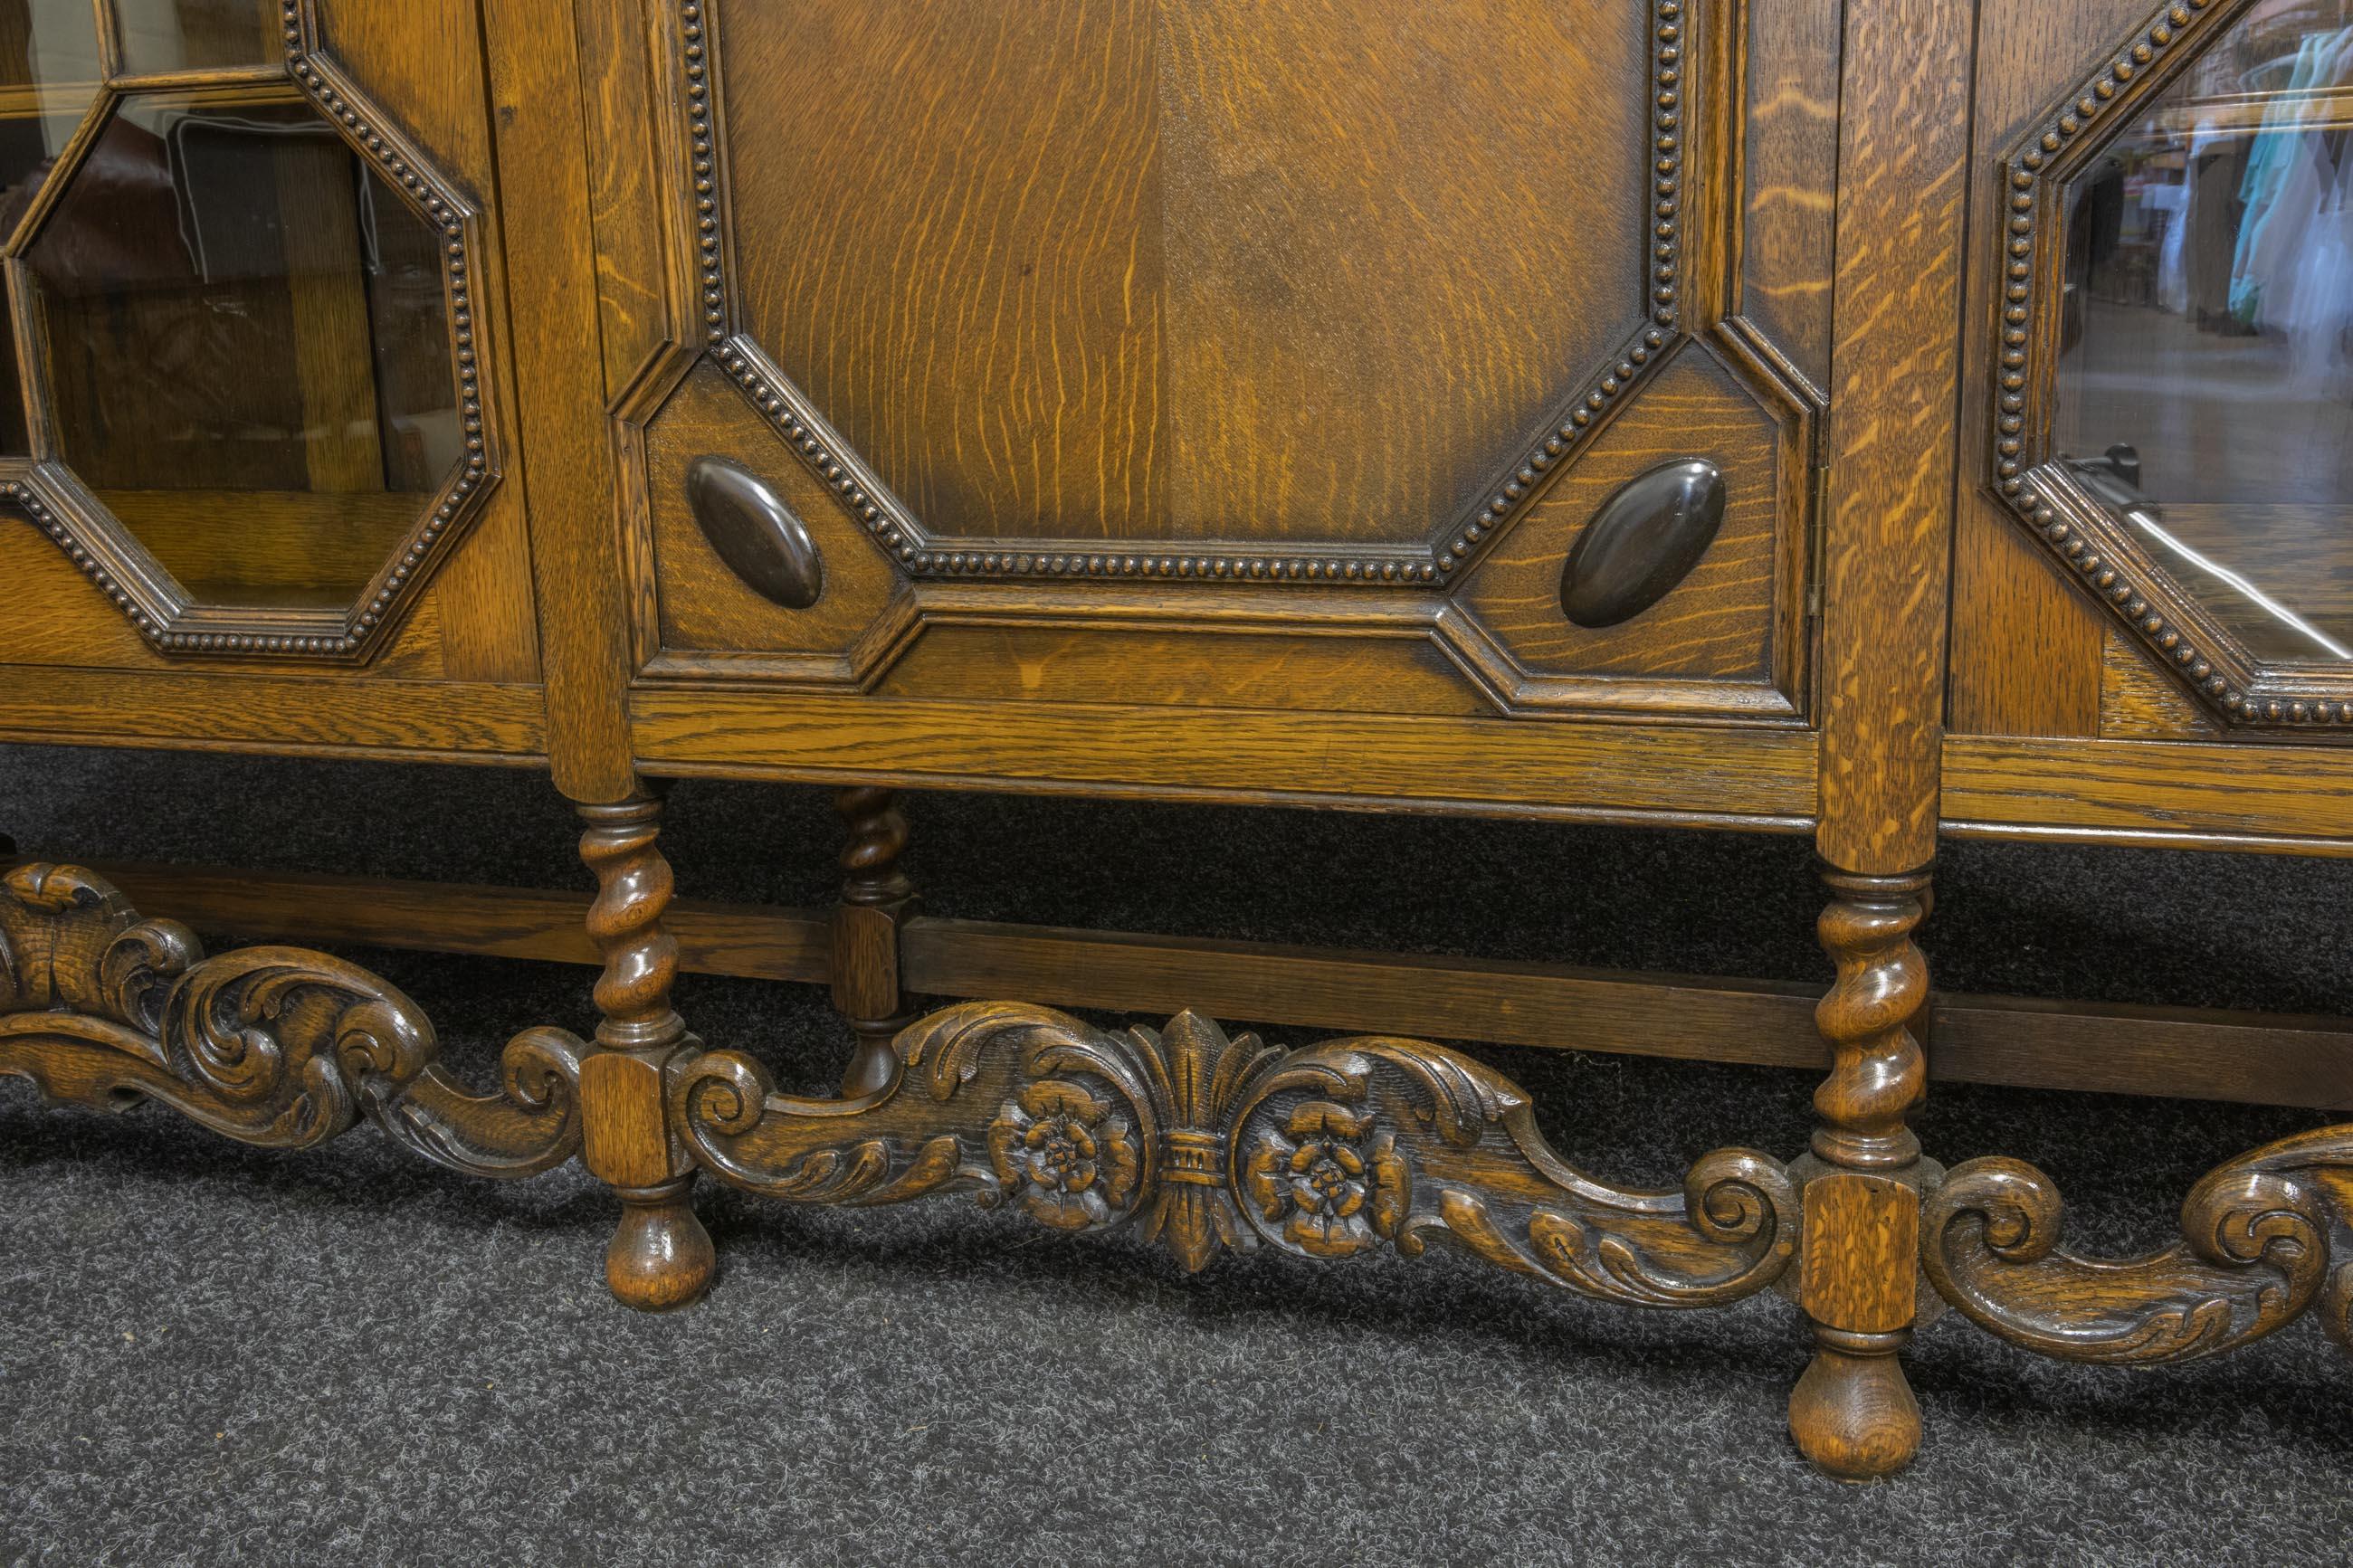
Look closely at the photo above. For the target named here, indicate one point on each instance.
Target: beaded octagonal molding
(1184, 279)
(2173, 408)
(253, 405)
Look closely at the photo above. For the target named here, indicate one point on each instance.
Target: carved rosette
(2265, 1238)
(273, 1046)
(1212, 1143)
(1064, 1154)
(1332, 1179)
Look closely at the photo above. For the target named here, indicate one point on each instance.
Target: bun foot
(1852, 1413)
(660, 1257)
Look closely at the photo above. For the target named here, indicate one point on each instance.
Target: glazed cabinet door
(2163, 532)
(1192, 355)
(252, 425)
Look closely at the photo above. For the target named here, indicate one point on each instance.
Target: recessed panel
(1285, 271)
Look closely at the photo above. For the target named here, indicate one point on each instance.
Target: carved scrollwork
(273, 1046)
(1212, 1143)
(2265, 1238)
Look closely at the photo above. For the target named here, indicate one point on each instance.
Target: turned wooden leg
(660, 1256)
(876, 898)
(1852, 1413)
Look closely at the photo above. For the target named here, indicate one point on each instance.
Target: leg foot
(660, 1257)
(1852, 1413)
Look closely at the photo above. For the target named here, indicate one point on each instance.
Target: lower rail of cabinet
(1206, 1141)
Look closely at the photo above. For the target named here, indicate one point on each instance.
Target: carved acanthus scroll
(273, 1046)
(1210, 1143)
(2265, 1238)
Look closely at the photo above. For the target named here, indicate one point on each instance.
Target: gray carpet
(210, 1354)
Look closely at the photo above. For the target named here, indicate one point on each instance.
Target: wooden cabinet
(1880, 422)
(265, 416)
(1263, 370)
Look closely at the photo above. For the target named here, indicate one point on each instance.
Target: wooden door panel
(1288, 272)
(338, 280)
(1167, 348)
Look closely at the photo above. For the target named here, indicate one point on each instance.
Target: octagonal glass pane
(2205, 386)
(195, 35)
(48, 74)
(248, 352)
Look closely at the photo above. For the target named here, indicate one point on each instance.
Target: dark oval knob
(754, 533)
(1645, 539)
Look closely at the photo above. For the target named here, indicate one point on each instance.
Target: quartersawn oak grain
(1273, 286)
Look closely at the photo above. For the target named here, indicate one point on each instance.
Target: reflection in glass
(247, 349)
(2205, 389)
(48, 74)
(192, 35)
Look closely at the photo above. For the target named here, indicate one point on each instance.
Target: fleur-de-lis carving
(1212, 1143)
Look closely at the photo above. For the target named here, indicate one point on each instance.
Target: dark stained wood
(1310, 670)
(1189, 401)
(103, 1009)
(876, 899)
(660, 1257)
(1719, 623)
(2139, 701)
(395, 719)
(2109, 1048)
(1213, 1144)
(707, 607)
(1198, 360)
(637, 281)
(2025, 653)
(1852, 1413)
(1877, 1072)
(1886, 533)
(492, 922)
(2262, 1238)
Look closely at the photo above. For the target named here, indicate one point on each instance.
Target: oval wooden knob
(754, 533)
(1645, 539)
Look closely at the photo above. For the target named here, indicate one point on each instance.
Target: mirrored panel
(197, 35)
(247, 351)
(2205, 386)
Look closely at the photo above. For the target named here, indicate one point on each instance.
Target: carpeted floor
(210, 1354)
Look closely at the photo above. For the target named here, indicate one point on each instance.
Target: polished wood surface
(1130, 309)
(1184, 399)
(2110, 1049)
(2026, 644)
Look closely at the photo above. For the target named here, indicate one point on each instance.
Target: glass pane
(249, 355)
(191, 34)
(2206, 386)
(48, 74)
